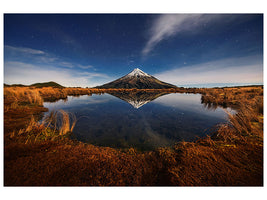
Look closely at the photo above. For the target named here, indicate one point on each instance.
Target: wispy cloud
(24, 53)
(66, 64)
(24, 50)
(25, 73)
(230, 70)
(36, 56)
(168, 25)
(85, 66)
(75, 65)
(93, 74)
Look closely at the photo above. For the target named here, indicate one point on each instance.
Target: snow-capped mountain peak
(139, 80)
(137, 73)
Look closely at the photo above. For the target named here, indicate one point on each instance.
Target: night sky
(193, 50)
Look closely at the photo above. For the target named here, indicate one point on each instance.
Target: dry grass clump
(234, 97)
(54, 126)
(246, 122)
(21, 96)
(51, 93)
(60, 121)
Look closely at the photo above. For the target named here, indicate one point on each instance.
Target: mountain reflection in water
(138, 99)
(113, 120)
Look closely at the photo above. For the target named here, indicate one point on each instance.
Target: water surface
(141, 121)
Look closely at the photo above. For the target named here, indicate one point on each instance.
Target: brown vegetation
(43, 154)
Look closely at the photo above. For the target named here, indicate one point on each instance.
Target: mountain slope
(137, 79)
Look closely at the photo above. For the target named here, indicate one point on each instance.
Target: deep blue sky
(92, 49)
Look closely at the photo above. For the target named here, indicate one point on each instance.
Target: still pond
(145, 121)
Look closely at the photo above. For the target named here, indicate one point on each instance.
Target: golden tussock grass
(22, 95)
(42, 154)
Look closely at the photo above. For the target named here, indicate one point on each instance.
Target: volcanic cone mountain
(138, 79)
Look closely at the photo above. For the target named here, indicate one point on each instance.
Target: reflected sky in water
(189, 102)
(106, 120)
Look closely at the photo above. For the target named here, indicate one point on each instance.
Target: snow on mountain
(137, 73)
(137, 104)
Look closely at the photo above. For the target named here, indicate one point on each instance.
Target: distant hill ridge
(38, 85)
(139, 80)
(47, 84)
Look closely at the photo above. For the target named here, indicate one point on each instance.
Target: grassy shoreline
(35, 154)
